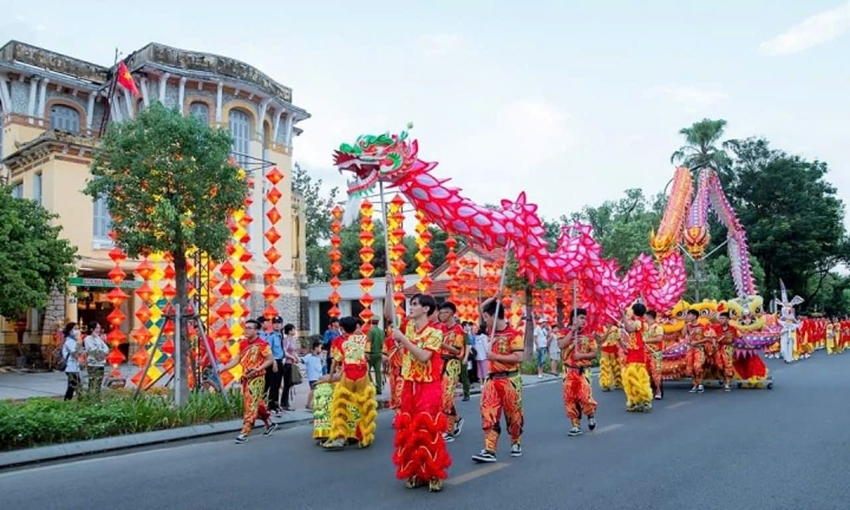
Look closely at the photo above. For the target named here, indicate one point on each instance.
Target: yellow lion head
(706, 309)
(674, 321)
(696, 241)
(745, 314)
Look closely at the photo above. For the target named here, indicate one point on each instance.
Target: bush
(45, 421)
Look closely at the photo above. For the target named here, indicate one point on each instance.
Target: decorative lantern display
(271, 275)
(142, 335)
(116, 317)
(367, 255)
(335, 255)
(452, 270)
(423, 256)
(398, 249)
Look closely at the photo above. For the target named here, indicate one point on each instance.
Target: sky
(572, 102)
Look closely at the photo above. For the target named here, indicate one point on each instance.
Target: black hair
(316, 343)
(652, 313)
(348, 324)
(577, 312)
(255, 322)
(693, 312)
(334, 320)
(490, 309)
(425, 301)
(93, 326)
(448, 305)
(289, 328)
(68, 328)
(724, 314)
(639, 309)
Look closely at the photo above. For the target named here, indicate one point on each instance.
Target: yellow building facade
(52, 108)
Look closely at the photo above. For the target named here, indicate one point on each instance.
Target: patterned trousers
(724, 359)
(696, 364)
(502, 395)
(450, 380)
(655, 367)
(578, 396)
(254, 405)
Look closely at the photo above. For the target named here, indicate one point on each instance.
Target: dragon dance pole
(388, 274)
(499, 301)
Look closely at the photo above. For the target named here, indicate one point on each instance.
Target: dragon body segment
(393, 159)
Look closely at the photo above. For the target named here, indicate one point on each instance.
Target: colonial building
(51, 110)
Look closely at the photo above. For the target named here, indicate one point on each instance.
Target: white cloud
(691, 98)
(812, 31)
(437, 45)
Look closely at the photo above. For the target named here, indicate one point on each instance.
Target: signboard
(79, 281)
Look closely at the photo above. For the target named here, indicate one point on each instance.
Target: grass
(46, 421)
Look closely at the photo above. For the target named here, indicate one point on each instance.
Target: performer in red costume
(502, 392)
(725, 357)
(696, 337)
(420, 451)
(454, 347)
(578, 350)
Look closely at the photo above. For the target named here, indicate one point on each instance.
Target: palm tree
(701, 148)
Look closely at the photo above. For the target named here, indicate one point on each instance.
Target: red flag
(125, 79)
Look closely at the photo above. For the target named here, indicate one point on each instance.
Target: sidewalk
(51, 381)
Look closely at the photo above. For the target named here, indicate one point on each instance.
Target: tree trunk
(529, 323)
(182, 282)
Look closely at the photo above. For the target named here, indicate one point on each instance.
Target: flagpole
(108, 113)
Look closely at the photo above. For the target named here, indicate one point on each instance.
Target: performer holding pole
(502, 391)
(578, 351)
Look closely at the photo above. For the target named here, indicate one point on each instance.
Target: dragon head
(696, 241)
(662, 245)
(374, 157)
(706, 309)
(674, 321)
(746, 314)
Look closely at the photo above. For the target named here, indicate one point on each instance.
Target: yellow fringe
(368, 415)
(341, 416)
(637, 386)
(606, 373)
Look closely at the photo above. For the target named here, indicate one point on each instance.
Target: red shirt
(252, 354)
(724, 336)
(505, 342)
(456, 337)
(636, 349)
(351, 353)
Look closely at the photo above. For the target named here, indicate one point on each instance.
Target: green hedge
(44, 421)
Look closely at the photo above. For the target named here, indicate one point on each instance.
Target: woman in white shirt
(71, 351)
(481, 354)
(96, 351)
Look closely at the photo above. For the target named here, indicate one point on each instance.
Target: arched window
(240, 130)
(64, 118)
(201, 111)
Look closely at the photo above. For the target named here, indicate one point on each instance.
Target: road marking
(477, 473)
(608, 428)
(677, 404)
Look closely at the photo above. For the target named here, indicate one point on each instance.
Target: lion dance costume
(610, 364)
(420, 451)
(725, 355)
(456, 337)
(636, 382)
(696, 335)
(322, 403)
(351, 353)
(578, 394)
(252, 355)
(502, 393)
(654, 340)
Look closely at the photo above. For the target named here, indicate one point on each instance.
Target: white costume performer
(789, 323)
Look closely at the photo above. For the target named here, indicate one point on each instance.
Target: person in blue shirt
(328, 338)
(274, 337)
(314, 363)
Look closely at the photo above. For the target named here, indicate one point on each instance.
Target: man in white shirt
(541, 344)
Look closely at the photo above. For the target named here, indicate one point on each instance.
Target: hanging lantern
(335, 256)
(367, 254)
(452, 271)
(395, 229)
(423, 256)
(271, 294)
(116, 318)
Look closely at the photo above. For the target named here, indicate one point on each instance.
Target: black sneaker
(575, 431)
(271, 427)
(591, 423)
(448, 437)
(242, 438)
(458, 427)
(484, 456)
(516, 450)
(700, 389)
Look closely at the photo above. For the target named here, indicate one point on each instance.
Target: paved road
(750, 450)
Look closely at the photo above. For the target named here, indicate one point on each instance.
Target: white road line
(607, 428)
(477, 473)
(677, 404)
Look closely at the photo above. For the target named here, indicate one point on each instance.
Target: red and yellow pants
(451, 376)
(578, 396)
(254, 405)
(724, 358)
(420, 450)
(696, 364)
(501, 395)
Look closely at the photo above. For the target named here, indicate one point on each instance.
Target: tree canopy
(34, 260)
(169, 186)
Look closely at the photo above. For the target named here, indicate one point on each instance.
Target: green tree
(793, 218)
(318, 229)
(33, 259)
(701, 146)
(169, 186)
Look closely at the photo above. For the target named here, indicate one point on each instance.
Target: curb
(23, 457)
